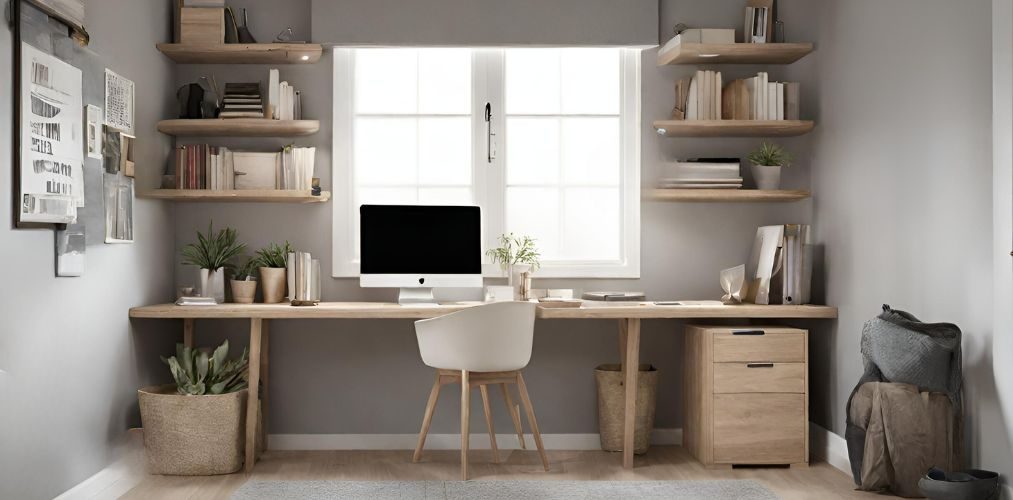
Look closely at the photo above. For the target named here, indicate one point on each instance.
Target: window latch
(489, 141)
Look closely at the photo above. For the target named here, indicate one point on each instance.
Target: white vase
(212, 284)
(767, 177)
(516, 271)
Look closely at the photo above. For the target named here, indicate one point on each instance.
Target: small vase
(272, 281)
(517, 272)
(212, 284)
(243, 291)
(767, 177)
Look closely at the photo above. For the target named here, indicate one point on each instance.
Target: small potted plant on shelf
(212, 253)
(767, 162)
(196, 426)
(244, 283)
(517, 256)
(272, 262)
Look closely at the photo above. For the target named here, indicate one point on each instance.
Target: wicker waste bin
(192, 435)
(612, 405)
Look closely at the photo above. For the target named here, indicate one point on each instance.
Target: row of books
(703, 97)
(200, 166)
(702, 173)
(284, 102)
(297, 166)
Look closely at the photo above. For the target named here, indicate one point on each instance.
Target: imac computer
(417, 248)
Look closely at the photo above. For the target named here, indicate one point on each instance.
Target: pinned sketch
(119, 102)
(93, 131)
(118, 192)
(70, 248)
(52, 144)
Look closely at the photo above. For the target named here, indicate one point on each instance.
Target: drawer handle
(760, 365)
(748, 332)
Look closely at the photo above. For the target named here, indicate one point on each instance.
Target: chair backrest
(487, 338)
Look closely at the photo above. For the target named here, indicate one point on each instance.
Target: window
(561, 163)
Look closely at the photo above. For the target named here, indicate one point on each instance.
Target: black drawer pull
(748, 332)
(760, 365)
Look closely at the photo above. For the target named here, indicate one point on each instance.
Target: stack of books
(242, 100)
(757, 98)
(200, 166)
(284, 102)
(703, 173)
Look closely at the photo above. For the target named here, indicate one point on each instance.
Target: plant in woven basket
(515, 250)
(770, 155)
(213, 251)
(274, 255)
(197, 373)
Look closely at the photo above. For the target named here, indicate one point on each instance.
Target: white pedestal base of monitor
(416, 296)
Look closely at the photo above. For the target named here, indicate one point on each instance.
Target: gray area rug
(496, 490)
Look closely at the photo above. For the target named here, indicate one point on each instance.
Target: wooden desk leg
(631, 367)
(188, 332)
(622, 343)
(256, 325)
(265, 345)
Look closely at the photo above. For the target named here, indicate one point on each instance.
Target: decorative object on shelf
(190, 98)
(70, 250)
(211, 103)
(184, 291)
(733, 282)
(244, 31)
(304, 274)
(315, 190)
(272, 262)
(118, 191)
(244, 283)
(119, 100)
(766, 165)
(287, 35)
(759, 22)
(202, 25)
(196, 426)
(231, 26)
(212, 253)
(93, 131)
(514, 255)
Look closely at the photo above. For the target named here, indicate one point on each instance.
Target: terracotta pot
(243, 291)
(273, 281)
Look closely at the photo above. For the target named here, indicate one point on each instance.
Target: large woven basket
(612, 406)
(192, 435)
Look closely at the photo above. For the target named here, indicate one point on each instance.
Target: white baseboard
(118, 478)
(572, 442)
(829, 447)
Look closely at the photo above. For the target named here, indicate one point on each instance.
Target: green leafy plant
(213, 250)
(274, 255)
(247, 270)
(770, 155)
(515, 250)
(196, 373)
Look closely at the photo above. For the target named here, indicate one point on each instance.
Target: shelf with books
(724, 195)
(238, 127)
(242, 53)
(734, 53)
(237, 195)
(733, 128)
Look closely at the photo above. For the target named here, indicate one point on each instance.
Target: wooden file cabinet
(746, 395)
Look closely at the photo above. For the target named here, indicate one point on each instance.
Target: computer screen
(415, 239)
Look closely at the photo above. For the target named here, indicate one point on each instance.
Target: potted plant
(767, 162)
(272, 262)
(515, 255)
(212, 253)
(244, 283)
(196, 426)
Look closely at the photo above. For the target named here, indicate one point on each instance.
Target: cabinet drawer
(749, 346)
(759, 428)
(731, 378)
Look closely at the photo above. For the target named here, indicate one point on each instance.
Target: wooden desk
(629, 318)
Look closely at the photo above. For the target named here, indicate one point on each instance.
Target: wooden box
(746, 395)
(202, 25)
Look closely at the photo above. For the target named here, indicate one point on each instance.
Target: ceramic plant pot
(767, 178)
(243, 291)
(272, 282)
(212, 284)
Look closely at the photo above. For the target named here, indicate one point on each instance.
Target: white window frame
(489, 180)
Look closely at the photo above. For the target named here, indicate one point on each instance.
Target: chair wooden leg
(488, 423)
(515, 414)
(465, 416)
(523, 390)
(434, 396)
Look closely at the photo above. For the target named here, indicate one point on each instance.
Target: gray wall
(684, 246)
(903, 189)
(70, 361)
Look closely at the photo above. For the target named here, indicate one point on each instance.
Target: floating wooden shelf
(237, 196)
(238, 127)
(242, 53)
(735, 53)
(733, 128)
(724, 195)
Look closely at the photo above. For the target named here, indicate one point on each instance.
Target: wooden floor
(820, 481)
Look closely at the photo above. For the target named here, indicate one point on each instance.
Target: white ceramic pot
(767, 178)
(212, 284)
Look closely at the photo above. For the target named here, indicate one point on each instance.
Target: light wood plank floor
(819, 481)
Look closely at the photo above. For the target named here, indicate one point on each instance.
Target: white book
(213, 172)
(763, 95)
(692, 105)
(747, 28)
(272, 94)
(708, 95)
(717, 95)
(779, 108)
(282, 100)
(751, 96)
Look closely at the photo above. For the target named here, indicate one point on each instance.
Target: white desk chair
(480, 346)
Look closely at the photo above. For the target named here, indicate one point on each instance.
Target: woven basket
(192, 435)
(612, 406)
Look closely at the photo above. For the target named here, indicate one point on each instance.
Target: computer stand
(416, 297)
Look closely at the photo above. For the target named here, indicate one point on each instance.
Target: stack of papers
(714, 173)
